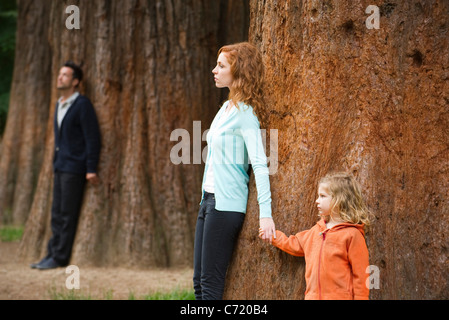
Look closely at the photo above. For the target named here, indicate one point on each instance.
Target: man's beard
(63, 87)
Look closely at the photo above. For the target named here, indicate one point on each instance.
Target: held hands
(267, 230)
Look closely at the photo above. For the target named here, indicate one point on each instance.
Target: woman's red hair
(248, 71)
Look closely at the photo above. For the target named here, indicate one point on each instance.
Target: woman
(234, 140)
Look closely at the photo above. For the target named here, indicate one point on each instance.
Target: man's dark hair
(77, 71)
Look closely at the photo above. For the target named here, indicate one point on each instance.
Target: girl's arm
(359, 259)
(292, 245)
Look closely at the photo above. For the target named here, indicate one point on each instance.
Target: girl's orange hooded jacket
(336, 260)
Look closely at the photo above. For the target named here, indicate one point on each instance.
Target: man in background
(77, 153)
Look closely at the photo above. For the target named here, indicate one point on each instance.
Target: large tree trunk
(21, 150)
(375, 100)
(148, 72)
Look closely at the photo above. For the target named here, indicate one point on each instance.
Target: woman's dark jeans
(215, 237)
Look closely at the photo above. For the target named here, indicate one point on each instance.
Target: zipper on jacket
(323, 234)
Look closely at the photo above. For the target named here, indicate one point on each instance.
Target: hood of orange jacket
(323, 227)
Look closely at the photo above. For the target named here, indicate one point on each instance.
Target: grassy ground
(175, 294)
(11, 235)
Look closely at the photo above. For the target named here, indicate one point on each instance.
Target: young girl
(234, 139)
(334, 249)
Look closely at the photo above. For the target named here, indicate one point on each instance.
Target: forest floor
(19, 282)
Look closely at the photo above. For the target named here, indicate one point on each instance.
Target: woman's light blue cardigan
(237, 140)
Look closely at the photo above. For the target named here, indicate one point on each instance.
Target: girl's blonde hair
(248, 72)
(347, 199)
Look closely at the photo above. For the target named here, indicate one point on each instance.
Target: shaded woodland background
(8, 21)
(343, 97)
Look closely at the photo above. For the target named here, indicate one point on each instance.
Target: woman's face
(222, 72)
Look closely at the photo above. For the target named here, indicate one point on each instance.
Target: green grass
(11, 233)
(68, 295)
(176, 294)
(65, 294)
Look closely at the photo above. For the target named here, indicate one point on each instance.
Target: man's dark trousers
(68, 192)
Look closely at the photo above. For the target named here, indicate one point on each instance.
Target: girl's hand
(267, 230)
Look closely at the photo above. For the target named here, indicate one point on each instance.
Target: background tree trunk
(21, 150)
(343, 96)
(148, 72)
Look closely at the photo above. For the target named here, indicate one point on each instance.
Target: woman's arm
(253, 140)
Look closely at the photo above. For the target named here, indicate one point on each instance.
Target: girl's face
(324, 201)
(222, 72)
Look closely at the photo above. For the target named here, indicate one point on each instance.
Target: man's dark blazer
(78, 141)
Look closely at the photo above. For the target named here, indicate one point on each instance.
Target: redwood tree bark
(21, 150)
(148, 72)
(374, 101)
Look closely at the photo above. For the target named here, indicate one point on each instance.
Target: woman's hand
(267, 230)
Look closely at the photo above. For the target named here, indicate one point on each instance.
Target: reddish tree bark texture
(375, 100)
(148, 72)
(21, 150)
